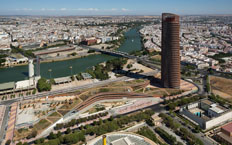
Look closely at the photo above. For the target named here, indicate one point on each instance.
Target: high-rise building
(170, 67)
(37, 66)
(31, 68)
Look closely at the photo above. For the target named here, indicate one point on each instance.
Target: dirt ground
(221, 86)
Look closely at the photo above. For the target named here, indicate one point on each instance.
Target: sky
(114, 7)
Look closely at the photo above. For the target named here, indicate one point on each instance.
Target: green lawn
(42, 124)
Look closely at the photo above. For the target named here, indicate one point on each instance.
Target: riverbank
(55, 60)
(62, 68)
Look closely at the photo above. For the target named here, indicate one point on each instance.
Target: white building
(31, 68)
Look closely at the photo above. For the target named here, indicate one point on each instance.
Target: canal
(62, 68)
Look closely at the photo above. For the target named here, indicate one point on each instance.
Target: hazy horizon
(111, 8)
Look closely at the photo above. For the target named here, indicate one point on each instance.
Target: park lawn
(55, 114)
(126, 83)
(139, 90)
(18, 135)
(157, 92)
(70, 106)
(171, 91)
(53, 119)
(41, 125)
(221, 86)
(63, 112)
(156, 57)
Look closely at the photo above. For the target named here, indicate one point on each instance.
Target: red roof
(228, 127)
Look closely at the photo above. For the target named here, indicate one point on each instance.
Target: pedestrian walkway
(11, 122)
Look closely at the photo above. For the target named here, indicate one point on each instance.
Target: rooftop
(121, 138)
(62, 80)
(86, 75)
(208, 102)
(228, 127)
(216, 109)
(225, 137)
(7, 86)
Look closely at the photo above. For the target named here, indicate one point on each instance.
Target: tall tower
(170, 67)
(37, 66)
(31, 68)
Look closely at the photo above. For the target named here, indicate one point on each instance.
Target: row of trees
(167, 137)
(172, 104)
(181, 131)
(74, 122)
(2, 59)
(219, 100)
(145, 131)
(96, 128)
(208, 87)
(220, 56)
(26, 53)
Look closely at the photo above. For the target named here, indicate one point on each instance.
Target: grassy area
(139, 90)
(71, 105)
(156, 58)
(155, 91)
(63, 112)
(126, 83)
(145, 131)
(221, 86)
(95, 109)
(55, 114)
(53, 119)
(21, 133)
(25, 132)
(96, 91)
(42, 124)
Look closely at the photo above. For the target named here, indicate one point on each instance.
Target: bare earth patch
(221, 86)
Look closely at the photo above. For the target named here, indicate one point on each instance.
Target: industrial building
(206, 113)
(170, 63)
(121, 138)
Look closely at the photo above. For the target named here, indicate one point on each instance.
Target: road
(4, 124)
(170, 132)
(199, 135)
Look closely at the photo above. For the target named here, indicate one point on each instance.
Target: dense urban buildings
(170, 67)
(93, 85)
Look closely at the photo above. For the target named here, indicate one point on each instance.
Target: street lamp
(71, 69)
(50, 71)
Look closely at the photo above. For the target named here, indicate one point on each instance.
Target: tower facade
(37, 66)
(170, 65)
(31, 68)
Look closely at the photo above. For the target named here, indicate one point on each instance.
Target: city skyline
(103, 7)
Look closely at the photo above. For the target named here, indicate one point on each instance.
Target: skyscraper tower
(37, 66)
(31, 68)
(170, 67)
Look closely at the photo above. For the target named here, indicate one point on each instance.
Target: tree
(19, 143)
(8, 142)
(68, 131)
(43, 85)
(52, 136)
(150, 122)
(79, 77)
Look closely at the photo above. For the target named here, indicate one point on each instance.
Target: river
(62, 68)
